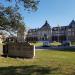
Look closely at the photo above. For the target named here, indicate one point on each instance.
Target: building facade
(40, 34)
(44, 33)
(71, 31)
(60, 34)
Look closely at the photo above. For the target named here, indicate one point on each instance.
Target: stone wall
(24, 50)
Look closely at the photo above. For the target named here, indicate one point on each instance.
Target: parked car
(66, 43)
(45, 43)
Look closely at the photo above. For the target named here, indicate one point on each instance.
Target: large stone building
(40, 34)
(60, 34)
(44, 33)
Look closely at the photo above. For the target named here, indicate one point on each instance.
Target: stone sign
(23, 50)
(18, 47)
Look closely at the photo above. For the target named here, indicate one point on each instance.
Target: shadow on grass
(26, 70)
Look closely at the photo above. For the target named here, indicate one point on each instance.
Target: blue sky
(55, 11)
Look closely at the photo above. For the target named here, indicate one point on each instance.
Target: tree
(27, 4)
(10, 17)
(10, 20)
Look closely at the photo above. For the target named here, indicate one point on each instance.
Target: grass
(55, 43)
(46, 62)
(38, 44)
(73, 43)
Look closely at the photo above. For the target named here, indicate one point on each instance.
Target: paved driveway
(56, 48)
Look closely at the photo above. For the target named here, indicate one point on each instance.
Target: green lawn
(73, 43)
(55, 43)
(46, 62)
(38, 44)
